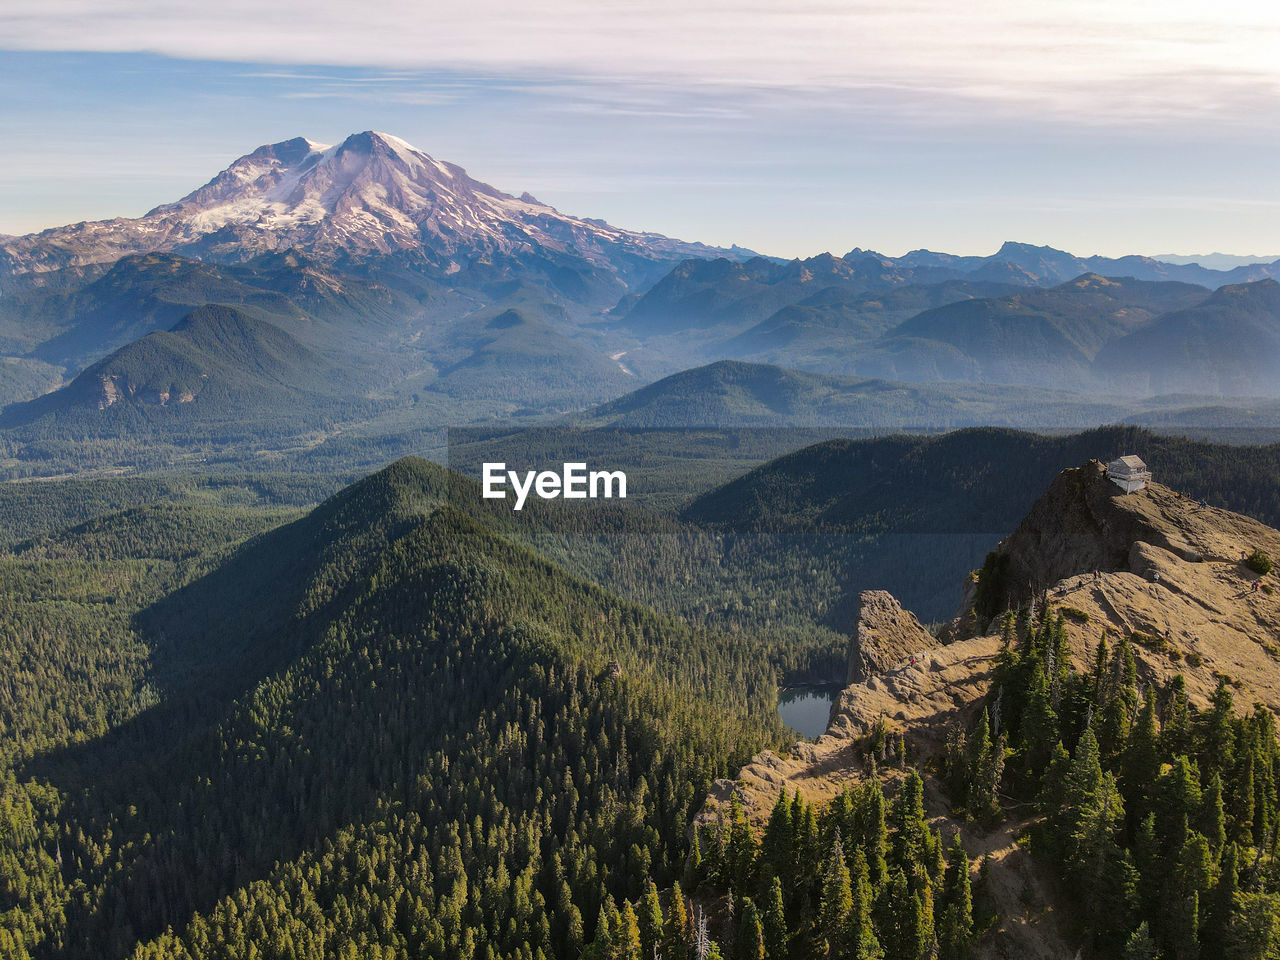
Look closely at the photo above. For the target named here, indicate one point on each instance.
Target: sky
(791, 127)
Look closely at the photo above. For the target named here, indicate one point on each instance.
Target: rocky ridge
(1154, 566)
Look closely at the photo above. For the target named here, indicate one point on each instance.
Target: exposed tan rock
(1083, 522)
(885, 636)
(1152, 565)
(917, 699)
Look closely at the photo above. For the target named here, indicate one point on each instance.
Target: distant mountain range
(730, 393)
(1217, 261)
(1228, 343)
(1039, 265)
(400, 296)
(1032, 336)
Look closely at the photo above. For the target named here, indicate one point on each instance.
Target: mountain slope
(384, 704)
(1034, 337)
(703, 294)
(146, 292)
(371, 194)
(733, 393)
(829, 326)
(1229, 344)
(519, 358)
(217, 360)
(915, 515)
(979, 479)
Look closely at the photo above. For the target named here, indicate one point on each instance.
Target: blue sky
(1097, 127)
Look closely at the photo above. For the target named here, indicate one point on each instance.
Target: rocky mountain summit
(1172, 576)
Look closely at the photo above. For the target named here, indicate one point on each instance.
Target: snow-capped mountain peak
(371, 194)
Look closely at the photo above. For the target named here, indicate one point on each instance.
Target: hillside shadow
(206, 747)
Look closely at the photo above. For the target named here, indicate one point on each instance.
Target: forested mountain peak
(215, 353)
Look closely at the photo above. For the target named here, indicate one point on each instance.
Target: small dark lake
(807, 709)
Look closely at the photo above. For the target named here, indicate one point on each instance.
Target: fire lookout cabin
(1129, 474)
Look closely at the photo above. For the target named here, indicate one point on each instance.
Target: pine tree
(677, 941)
(1178, 803)
(1141, 762)
(1141, 946)
(873, 838)
(1039, 729)
(1100, 676)
(836, 904)
(1190, 882)
(1097, 866)
(627, 938)
(1218, 740)
(1175, 739)
(1119, 702)
(775, 923)
(1222, 905)
(749, 942)
(695, 868)
(741, 854)
(777, 848)
(985, 791)
(910, 840)
(979, 759)
(862, 942)
(1147, 857)
(922, 937)
(955, 925)
(1212, 820)
(1053, 784)
(650, 920)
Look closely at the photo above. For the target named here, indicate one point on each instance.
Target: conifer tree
(1175, 738)
(777, 847)
(775, 923)
(862, 941)
(1222, 905)
(1039, 728)
(741, 853)
(1140, 945)
(1217, 751)
(836, 903)
(1141, 763)
(677, 941)
(910, 839)
(955, 924)
(749, 941)
(873, 838)
(627, 939)
(1212, 819)
(649, 917)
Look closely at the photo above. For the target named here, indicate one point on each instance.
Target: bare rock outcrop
(1154, 567)
(1083, 523)
(885, 637)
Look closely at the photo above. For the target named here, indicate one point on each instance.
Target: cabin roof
(1127, 466)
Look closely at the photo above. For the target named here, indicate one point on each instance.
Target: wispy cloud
(1091, 60)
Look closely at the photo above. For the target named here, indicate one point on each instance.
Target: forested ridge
(463, 755)
(398, 726)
